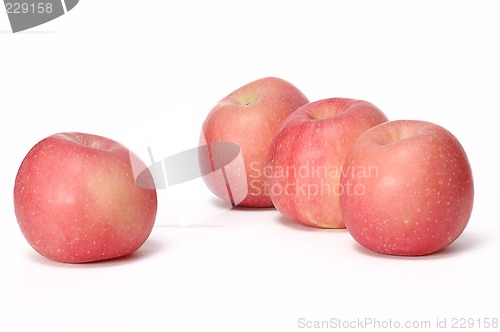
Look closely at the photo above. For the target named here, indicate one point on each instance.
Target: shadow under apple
(284, 221)
(148, 249)
(465, 243)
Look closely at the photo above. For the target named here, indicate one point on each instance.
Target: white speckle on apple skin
(252, 127)
(435, 191)
(317, 135)
(69, 219)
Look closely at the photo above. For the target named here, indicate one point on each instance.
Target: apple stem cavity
(85, 140)
(249, 100)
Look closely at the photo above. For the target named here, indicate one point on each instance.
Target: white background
(146, 73)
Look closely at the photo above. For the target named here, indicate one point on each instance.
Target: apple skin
(249, 117)
(76, 199)
(415, 188)
(311, 145)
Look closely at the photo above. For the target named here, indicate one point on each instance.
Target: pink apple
(248, 117)
(306, 157)
(412, 188)
(76, 199)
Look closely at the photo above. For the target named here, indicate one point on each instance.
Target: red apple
(306, 158)
(412, 188)
(248, 117)
(76, 199)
